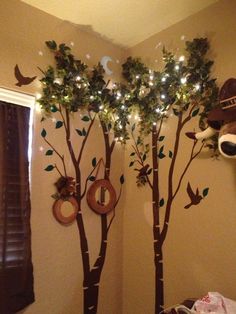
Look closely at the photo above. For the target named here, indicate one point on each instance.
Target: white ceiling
(123, 22)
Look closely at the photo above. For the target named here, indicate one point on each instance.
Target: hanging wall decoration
(21, 79)
(182, 91)
(71, 90)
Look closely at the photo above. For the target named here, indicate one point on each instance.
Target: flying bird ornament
(22, 80)
(195, 197)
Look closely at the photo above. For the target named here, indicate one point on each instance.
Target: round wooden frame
(91, 196)
(58, 214)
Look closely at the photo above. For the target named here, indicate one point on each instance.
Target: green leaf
(161, 149)
(161, 155)
(84, 132)
(131, 164)
(122, 179)
(133, 127)
(161, 138)
(149, 171)
(51, 44)
(92, 178)
(162, 202)
(49, 168)
(170, 154)
(59, 124)
(43, 133)
(176, 113)
(85, 118)
(132, 154)
(205, 192)
(49, 152)
(94, 162)
(144, 157)
(53, 108)
(195, 112)
(79, 132)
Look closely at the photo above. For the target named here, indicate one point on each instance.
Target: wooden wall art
(101, 207)
(58, 213)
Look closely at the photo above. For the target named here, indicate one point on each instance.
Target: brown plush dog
(223, 121)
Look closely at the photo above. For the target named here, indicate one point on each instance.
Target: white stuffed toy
(223, 121)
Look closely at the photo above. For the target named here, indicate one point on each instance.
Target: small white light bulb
(177, 67)
(197, 86)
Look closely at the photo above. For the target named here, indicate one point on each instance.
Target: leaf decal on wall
(92, 178)
(161, 138)
(205, 192)
(59, 124)
(195, 112)
(49, 152)
(43, 133)
(49, 168)
(162, 202)
(85, 118)
(84, 132)
(122, 179)
(94, 162)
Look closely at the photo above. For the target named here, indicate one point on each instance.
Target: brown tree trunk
(159, 286)
(157, 245)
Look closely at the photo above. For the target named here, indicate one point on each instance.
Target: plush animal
(65, 186)
(222, 121)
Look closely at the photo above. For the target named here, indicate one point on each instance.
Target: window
(16, 271)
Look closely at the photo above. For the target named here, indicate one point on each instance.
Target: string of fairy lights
(144, 98)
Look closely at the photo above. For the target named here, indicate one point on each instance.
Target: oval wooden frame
(58, 214)
(91, 196)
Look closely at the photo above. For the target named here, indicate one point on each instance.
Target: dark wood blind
(16, 271)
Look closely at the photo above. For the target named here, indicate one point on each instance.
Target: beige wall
(199, 253)
(56, 249)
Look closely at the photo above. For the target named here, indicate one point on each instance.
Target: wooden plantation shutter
(16, 271)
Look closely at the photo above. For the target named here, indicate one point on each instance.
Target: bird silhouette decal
(22, 80)
(195, 198)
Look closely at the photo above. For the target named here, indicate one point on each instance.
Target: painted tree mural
(184, 90)
(73, 94)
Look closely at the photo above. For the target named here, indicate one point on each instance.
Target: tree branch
(85, 139)
(58, 154)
